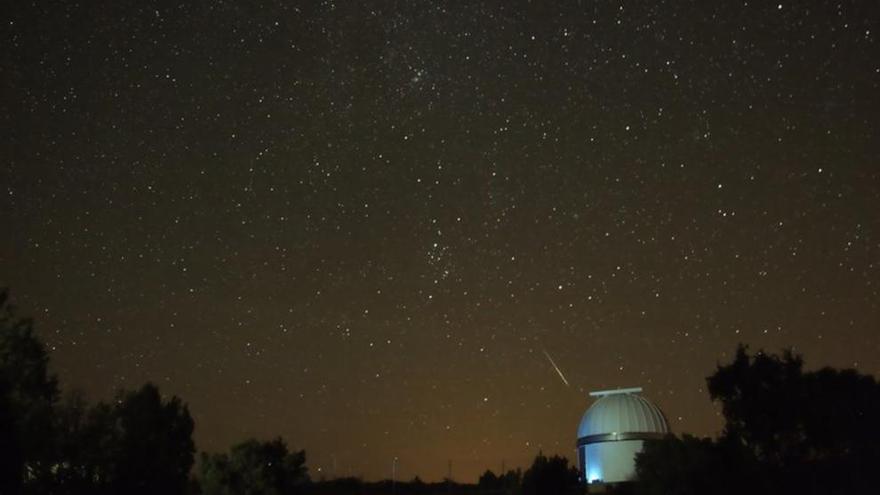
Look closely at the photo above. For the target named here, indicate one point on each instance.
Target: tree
(762, 400)
(810, 431)
(11, 454)
(28, 394)
(140, 444)
(550, 476)
(82, 444)
(254, 467)
(153, 443)
(691, 466)
(510, 480)
(506, 482)
(786, 431)
(488, 480)
(417, 486)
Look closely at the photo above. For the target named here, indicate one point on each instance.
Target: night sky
(360, 225)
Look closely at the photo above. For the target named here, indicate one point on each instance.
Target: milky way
(357, 225)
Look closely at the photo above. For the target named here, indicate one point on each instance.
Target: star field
(361, 225)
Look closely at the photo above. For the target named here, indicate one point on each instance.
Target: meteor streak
(556, 367)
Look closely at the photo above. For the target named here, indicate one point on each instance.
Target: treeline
(786, 431)
(141, 444)
(137, 444)
(546, 476)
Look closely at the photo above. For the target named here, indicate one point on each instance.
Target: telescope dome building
(613, 431)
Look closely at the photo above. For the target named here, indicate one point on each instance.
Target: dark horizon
(426, 231)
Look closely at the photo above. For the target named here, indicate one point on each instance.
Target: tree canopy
(28, 394)
(154, 443)
(506, 482)
(550, 476)
(786, 431)
(139, 444)
(253, 468)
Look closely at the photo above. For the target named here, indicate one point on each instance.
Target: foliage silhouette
(550, 476)
(488, 480)
(786, 431)
(155, 447)
(83, 435)
(138, 445)
(28, 394)
(254, 467)
(692, 466)
(511, 480)
(506, 483)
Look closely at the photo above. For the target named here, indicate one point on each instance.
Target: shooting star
(556, 367)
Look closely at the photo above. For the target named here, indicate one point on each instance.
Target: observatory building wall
(611, 461)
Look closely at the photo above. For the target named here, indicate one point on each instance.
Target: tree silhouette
(817, 430)
(693, 466)
(254, 467)
(762, 400)
(155, 447)
(11, 454)
(786, 431)
(511, 480)
(28, 394)
(79, 429)
(550, 476)
(138, 445)
(488, 481)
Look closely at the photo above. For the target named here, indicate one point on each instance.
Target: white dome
(622, 412)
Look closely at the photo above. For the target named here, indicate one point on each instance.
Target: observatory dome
(613, 431)
(622, 413)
